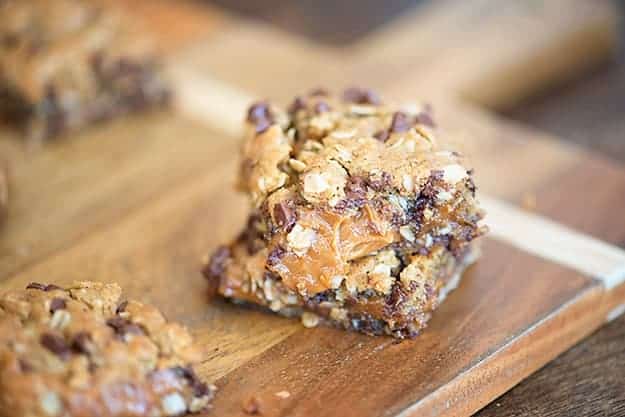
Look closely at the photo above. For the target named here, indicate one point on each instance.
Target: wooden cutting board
(140, 201)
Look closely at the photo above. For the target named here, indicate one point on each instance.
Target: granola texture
(82, 351)
(67, 63)
(360, 217)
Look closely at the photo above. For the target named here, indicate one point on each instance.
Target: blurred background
(587, 108)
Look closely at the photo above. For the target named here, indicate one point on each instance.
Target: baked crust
(81, 351)
(349, 197)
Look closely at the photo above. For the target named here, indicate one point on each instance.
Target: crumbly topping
(81, 349)
(324, 140)
(359, 213)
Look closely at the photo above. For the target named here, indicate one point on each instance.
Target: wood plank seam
(518, 373)
(547, 239)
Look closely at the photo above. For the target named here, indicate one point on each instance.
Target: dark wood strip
(327, 21)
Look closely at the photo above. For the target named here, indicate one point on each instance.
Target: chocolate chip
(284, 214)
(400, 123)
(382, 135)
(121, 307)
(275, 255)
(81, 343)
(55, 344)
(36, 286)
(42, 287)
(382, 182)
(217, 264)
(52, 287)
(262, 126)
(315, 92)
(123, 326)
(321, 107)
(24, 366)
(425, 118)
(57, 304)
(297, 105)
(9, 40)
(361, 96)
(200, 389)
(260, 116)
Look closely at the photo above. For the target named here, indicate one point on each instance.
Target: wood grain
(153, 197)
(588, 379)
(75, 186)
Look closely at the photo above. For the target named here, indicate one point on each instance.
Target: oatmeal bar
(81, 351)
(360, 217)
(68, 63)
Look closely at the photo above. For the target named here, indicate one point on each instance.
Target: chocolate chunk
(55, 344)
(200, 389)
(36, 286)
(42, 287)
(284, 214)
(10, 40)
(315, 92)
(123, 326)
(81, 343)
(382, 135)
(297, 105)
(355, 194)
(251, 235)
(24, 366)
(121, 307)
(321, 107)
(275, 255)
(262, 126)
(400, 123)
(260, 116)
(52, 287)
(437, 174)
(217, 264)
(57, 304)
(361, 96)
(425, 118)
(52, 111)
(381, 183)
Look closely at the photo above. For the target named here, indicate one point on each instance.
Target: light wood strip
(550, 240)
(220, 105)
(492, 52)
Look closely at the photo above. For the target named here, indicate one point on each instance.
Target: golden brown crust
(342, 185)
(80, 351)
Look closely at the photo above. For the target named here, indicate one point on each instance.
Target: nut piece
(310, 320)
(300, 239)
(173, 404)
(454, 173)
